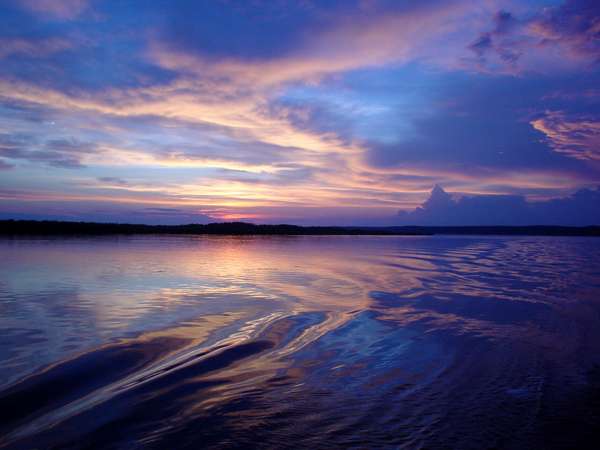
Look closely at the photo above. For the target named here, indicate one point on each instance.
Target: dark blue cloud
(580, 209)
(100, 50)
(113, 180)
(102, 212)
(575, 22)
(484, 122)
(62, 153)
(262, 29)
(572, 25)
(496, 40)
(301, 94)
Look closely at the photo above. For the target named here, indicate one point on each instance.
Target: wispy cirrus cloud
(353, 41)
(306, 108)
(113, 180)
(66, 154)
(32, 47)
(59, 9)
(577, 136)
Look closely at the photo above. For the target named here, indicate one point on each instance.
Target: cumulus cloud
(336, 100)
(441, 208)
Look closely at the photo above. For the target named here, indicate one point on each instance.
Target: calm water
(300, 342)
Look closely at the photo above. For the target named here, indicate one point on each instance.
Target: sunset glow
(302, 112)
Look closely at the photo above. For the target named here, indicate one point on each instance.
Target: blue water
(300, 342)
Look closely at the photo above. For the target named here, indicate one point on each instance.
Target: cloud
(556, 38)
(575, 23)
(580, 209)
(4, 165)
(171, 215)
(102, 211)
(113, 180)
(38, 47)
(59, 9)
(307, 105)
(477, 125)
(62, 153)
(576, 136)
(339, 40)
(496, 43)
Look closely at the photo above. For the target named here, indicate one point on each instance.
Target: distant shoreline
(64, 228)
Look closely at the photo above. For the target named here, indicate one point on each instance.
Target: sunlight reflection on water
(318, 341)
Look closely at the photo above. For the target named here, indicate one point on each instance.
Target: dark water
(303, 342)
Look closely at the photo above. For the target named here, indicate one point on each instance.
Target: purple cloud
(441, 208)
(4, 165)
(113, 180)
(59, 9)
(63, 153)
(577, 136)
(541, 41)
(338, 111)
(575, 23)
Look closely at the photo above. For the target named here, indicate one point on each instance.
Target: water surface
(299, 342)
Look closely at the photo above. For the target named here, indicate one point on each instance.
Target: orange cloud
(577, 137)
(232, 97)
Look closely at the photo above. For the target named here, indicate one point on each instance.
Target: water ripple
(312, 342)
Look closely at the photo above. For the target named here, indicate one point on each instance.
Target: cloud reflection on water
(294, 339)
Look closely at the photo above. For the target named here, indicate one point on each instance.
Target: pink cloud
(32, 47)
(4, 165)
(60, 9)
(354, 43)
(575, 136)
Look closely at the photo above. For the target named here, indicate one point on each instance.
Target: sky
(323, 112)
